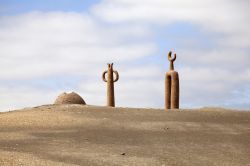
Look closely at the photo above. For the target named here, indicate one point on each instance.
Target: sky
(52, 46)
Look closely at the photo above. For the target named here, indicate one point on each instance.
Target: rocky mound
(69, 98)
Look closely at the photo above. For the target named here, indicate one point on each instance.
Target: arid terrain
(90, 135)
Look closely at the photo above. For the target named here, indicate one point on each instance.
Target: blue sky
(52, 46)
(17, 7)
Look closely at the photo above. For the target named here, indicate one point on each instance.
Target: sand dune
(91, 135)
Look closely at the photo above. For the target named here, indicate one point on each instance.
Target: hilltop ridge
(94, 135)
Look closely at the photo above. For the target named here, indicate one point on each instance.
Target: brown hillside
(89, 135)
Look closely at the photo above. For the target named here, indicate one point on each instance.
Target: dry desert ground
(60, 135)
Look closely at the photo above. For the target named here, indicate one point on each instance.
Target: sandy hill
(89, 135)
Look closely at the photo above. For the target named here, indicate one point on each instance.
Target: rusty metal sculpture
(171, 85)
(110, 84)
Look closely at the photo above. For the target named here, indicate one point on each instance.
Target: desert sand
(90, 135)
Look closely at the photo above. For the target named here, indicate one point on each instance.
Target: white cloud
(16, 97)
(228, 17)
(234, 60)
(67, 45)
(45, 45)
(32, 43)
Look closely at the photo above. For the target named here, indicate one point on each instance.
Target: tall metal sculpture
(110, 84)
(172, 85)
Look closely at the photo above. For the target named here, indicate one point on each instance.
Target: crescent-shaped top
(170, 58)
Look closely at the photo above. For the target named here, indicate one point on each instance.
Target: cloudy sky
(51, 46)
